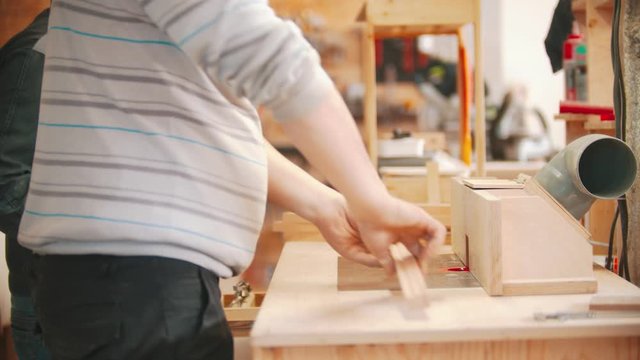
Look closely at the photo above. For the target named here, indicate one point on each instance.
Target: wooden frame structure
(388, 18)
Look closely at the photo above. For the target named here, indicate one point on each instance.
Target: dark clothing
(25, 330)
(559, 30)
(111, 307)
(20, 84)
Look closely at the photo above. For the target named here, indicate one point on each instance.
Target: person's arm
(244, 48)
(295, 190)
(355, 238)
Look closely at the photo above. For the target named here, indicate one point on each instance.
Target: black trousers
(98, 307)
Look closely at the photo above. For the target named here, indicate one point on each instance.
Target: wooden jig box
(517, 240)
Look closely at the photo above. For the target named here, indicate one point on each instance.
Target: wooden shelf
(591, 122)
(390, 18)
(575, 117)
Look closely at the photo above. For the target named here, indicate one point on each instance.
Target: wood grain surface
(354, 276)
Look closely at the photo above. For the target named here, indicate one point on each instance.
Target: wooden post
(630, 36)
(433, 183)
(480, 136)
(369, 77)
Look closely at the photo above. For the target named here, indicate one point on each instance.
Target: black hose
(608, 264)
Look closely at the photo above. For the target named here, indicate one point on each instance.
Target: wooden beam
(334, 14)
(413, 31)
(480, 133)
(595, 348)
(433, 183)
(416, 12)
(600, 76)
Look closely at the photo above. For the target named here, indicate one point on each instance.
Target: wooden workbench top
(304, 307)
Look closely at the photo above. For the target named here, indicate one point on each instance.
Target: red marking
(458, 268)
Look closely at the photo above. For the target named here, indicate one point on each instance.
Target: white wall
(513, 33)
(523, 26)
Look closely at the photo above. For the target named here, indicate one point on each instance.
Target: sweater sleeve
(244, 46)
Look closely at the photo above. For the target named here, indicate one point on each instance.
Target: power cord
(608, 263)
(619, 104)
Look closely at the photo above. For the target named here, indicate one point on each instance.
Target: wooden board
(304, 309)
(596, 348)
(412, 12)
(492, 184)
(354, 276)
(408, 273)
(615, 303)
(476, 218)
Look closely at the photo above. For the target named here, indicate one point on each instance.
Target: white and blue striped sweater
(148, 140)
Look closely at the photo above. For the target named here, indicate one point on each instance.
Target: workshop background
(528, 106)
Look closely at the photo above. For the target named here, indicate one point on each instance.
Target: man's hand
(395, 220)
(361, 232)
(366, 238)
(340, 231)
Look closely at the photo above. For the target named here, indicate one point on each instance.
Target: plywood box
(518, 241)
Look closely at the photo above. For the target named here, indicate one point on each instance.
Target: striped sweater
(148, 140)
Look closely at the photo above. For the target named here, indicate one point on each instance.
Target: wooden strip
(594, 348)
(410, 276)
(480, 132)
(615, 303)
(419, 12)
(433, 183)
(492, 184)
(541, 287)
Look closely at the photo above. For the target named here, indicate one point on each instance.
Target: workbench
(304, 316)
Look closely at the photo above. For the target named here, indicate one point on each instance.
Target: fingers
(377, 242)
(364, 258)
(435, 233)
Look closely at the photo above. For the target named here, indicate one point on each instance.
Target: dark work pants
(110, 307)
(25, 330)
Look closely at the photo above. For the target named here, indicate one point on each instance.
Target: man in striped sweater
(151, 176)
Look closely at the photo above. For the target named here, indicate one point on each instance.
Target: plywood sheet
(354, 276)
(492, 184)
